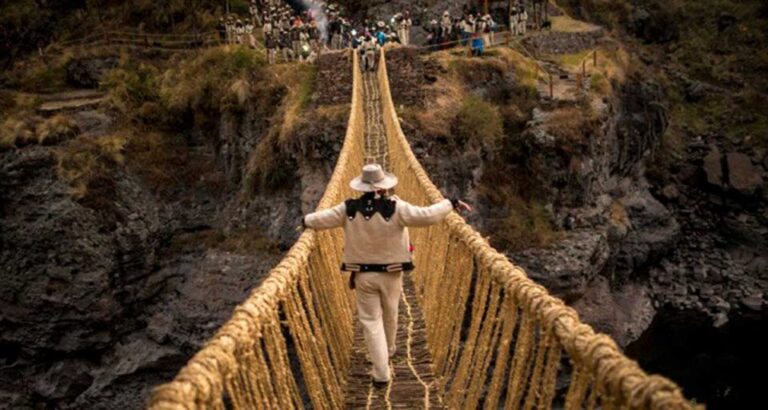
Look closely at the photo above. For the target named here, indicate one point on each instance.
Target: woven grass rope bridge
(474, 332)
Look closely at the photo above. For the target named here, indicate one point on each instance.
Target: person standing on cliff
(376, 253)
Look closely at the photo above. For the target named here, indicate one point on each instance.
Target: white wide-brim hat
(372, 179)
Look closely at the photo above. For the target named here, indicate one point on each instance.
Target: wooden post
(594, 58)
(584, 68)
(551, 88)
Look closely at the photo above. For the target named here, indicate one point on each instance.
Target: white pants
(404, 36)
(369, 60)
(378, 297)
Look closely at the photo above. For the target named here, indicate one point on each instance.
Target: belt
(369, 267)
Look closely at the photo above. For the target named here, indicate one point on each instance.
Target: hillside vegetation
(713, 48)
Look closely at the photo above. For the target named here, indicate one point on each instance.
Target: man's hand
(463, 206)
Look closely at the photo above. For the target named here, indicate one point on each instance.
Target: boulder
(754, 302)
(65, 379)
(624, 313)
(654, 231)
(713, 167)
(743, 176)
(566, 267)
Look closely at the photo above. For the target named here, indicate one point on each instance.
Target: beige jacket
(376, 240)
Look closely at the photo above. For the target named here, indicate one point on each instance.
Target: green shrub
(479, 123)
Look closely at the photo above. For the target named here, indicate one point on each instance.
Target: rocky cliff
(107, 294)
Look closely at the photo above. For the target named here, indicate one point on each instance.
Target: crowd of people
(473, 29)
(293, 35)
(518, 18)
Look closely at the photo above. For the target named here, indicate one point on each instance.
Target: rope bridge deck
(481, 333)
(411, 366)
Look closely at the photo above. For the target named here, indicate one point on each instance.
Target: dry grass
(7, 101)
(132, 86)
(23, 127)
(83, 161)
(56, 129)
(18, 130)
(599, 84)
(213, 80)
(619, 215)
(570, 125)
(572, 62)
(39, 74)
(160, 159)
(605, 12)
(300, 83)
(613, 64)
(268, 166)
(446, 95)
(567, 24)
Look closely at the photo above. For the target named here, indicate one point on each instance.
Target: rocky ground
(107, 295)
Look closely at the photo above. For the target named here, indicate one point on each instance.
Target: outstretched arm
(327, 218)
(411, 215)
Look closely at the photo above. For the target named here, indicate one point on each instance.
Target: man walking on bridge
(377, 252)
